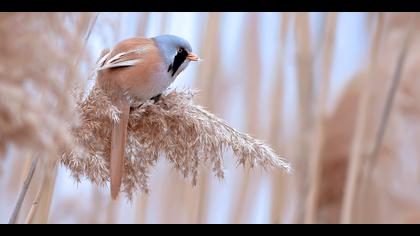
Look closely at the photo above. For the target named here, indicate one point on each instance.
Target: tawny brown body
(141, 81)
(137, 80)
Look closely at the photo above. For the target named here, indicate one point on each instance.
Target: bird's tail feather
(119, 136)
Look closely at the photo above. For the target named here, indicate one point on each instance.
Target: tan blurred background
(333, 93)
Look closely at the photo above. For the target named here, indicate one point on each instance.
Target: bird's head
(176, 52)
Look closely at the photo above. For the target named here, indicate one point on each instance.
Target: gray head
(176, 52)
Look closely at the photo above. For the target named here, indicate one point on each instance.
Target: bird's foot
(156, 98)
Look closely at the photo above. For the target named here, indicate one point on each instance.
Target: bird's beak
(192, 57)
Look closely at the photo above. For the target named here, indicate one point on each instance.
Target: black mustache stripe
(178, 60)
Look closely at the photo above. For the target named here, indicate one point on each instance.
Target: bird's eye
(180, 50)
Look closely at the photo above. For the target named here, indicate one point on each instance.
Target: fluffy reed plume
(186, 134)
(37, 52)
(38, 58)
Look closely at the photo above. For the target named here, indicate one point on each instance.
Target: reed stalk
(252, 92)
(35, 203)
(41, 213)
(315, 156)
(23, 191)
(373, 155)
(208, 81)
(359, 135)
(143, 23)
(304, 60)
(276, 126)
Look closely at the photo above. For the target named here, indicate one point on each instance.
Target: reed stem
(23, 191)
(359, 135)
(315, 161)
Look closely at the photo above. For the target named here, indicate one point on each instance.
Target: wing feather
(122, 59)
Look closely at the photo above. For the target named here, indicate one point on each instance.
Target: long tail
(119, 136)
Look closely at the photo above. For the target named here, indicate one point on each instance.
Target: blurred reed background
(334, 93)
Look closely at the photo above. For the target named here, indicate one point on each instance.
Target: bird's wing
(121, 59)
(104, 56)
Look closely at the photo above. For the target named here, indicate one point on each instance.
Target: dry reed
(370, 206)
(356, 151)
(35, 101)
(35, 204)
(276, 124)
(209, 74)
(141, 209)
(315, 166)
(143, 23)
(22, 194)
(252, 90)
(390, 191)
(184, 133)
(47, 186)
(304, 61)
(39, 53)
(339, 130)
(396, 76)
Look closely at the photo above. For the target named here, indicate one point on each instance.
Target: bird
(133, 71)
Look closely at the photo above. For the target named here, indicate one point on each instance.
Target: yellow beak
(192, 57)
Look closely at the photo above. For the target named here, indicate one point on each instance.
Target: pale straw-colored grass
(276, 124)
(174, 127)
(38, 57)
(315, 157)
(304, 69)
(35, 101)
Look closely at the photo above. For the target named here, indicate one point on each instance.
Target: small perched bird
(134, 71)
